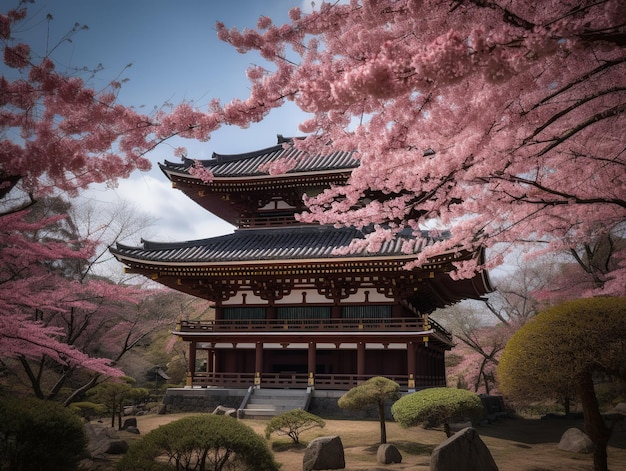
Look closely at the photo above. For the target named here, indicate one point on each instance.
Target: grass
(517, 444)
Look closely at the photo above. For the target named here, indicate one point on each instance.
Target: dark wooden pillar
(311, 361)
(410, 362)
(360, 359)
(191, 367)
(258, 357)
(209, 360)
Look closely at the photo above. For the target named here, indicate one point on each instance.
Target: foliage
(37, 297)
(557, 353)
(63, 325)
(483, 328)
(200, 442)
(500, 119)
(292, 423)
(37, 434)
(546, 358)
(57, 136)
(114, 395)
(436, 406)
(88, 410)
(374, 392)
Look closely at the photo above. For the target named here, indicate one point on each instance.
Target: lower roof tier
(269, 264)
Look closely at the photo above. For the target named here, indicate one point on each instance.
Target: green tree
(37, 434)
(115, 395)
(374, 392)
(437, 406)
(292, 423)
(202, 442)
(560, 350)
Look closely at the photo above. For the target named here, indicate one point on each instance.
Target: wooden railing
(301, 380)
(386, 324)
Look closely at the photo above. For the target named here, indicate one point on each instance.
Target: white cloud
(177, 218)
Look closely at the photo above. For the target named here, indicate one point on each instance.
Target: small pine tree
(374, 392)
(292, 423)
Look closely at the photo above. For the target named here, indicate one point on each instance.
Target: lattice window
(240, 313)
(366, 312)
(303, 312)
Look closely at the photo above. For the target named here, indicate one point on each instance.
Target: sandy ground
(516, 444)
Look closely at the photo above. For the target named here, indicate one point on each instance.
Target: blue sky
(175, 56)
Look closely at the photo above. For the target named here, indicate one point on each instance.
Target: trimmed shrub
(88, 410)
(292, 423)
(437, 406)
(209, 441)
(36, 434)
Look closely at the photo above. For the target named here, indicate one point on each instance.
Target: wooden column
(258, 359)
(410, 362)
(360, 359)
(311, 360)
(191, 367)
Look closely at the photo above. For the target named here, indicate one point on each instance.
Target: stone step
(271, 402)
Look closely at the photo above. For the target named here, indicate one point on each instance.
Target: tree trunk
(383, 426)
(595, 427)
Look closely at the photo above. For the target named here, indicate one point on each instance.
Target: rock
(132, 422)
(620, 408)
(324, 453)
(221, 410)
(132, 429)
(130, 410)
(162, 409)
(102, 439)
(463, 451)
(576, 441)
(388, 454)
(117, 447)
(458, 426)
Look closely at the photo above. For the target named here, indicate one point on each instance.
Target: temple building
(290, 311)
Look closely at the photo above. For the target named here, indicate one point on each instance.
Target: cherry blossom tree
(502, 120)
(482, 328)
(57, 136)
(79, 316)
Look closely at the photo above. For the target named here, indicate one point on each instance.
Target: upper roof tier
(246, 197)
(247, 164)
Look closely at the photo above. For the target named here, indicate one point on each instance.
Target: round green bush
(36, 434)
(437, 406)
(200, 442)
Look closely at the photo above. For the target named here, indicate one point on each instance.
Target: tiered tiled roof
(297, 243)
(247, 164)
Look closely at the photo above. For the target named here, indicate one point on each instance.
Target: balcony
(341, 382)
(421, 324)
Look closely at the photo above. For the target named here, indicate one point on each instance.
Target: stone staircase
(266, 403)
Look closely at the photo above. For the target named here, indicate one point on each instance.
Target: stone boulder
(222, 410)
(131, 422)
(102, 439)
(387, 454)
(463, 451)
(132, 429)
(620, 408)
(576, 441)
(324, 453)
